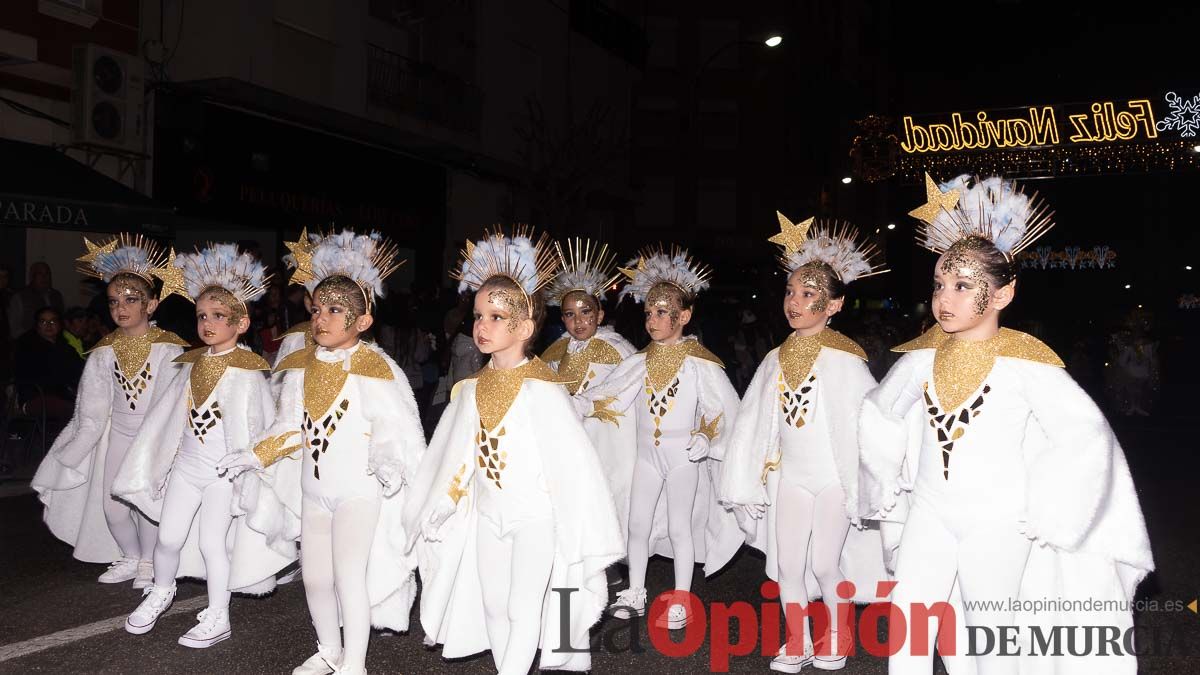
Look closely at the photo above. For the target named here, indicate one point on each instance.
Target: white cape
(70, 480)
(715, 531)
(247, 410)
(1091, 544)
(755, 440)
(272, 499)
(587, 537)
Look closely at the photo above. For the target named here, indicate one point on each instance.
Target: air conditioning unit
(108, 99)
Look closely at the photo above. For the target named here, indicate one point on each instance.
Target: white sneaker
(155, 601)
(836, 658)
(630, 602)
(322, 663)
(145, 574)
(121, 570)
(676, 617)
(213, 628)
(786, 663)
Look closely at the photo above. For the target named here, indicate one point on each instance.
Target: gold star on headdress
(94, 250)
(632, 273)
(172, 278)
(301, 250)
(935, 201)
(791, 235)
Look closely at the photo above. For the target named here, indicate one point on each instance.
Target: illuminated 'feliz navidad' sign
(1099, 122)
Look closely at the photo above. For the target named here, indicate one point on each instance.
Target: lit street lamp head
(774, 41)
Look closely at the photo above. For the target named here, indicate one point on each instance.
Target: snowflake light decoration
(1184, 117)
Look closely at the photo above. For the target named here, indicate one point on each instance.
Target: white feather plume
(991, 208)
(653, 267)
(124, 253)
(586, 266)
(532, 264)
(837, 246)
(222, 265)
(366, 258)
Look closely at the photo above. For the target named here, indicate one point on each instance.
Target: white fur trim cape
(70, 479)
(587, 537)
(844, 381)
(715, 531)
(272, 499)
(1091, 543)
(247, 411)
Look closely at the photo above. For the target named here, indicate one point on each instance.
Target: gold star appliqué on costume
(601, 412)
(791, 235)
(709, 429)
(172, 278)
(935, 201)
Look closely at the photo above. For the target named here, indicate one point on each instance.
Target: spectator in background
(39, 292)
(47, 370)
(75, 325)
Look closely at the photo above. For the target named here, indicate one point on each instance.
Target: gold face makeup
(814, 278)
(960, 260)
(511, 302)
(666, 296)
(581, 314)
(335, 296)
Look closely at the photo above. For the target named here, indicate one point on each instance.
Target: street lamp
(774, 41)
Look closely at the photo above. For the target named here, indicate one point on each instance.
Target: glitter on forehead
(814, 277)
(126, 286)
(512, 302)
(237, 310)
(332, 295)
(960, 260)
(668, 297)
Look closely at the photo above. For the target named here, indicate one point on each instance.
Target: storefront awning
(42, 187)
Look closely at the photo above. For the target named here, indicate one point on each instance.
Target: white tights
(988, 560)
(643, 500)
(187, 496)
(134, 534)
(333, 554)
(514, 572)
(805, 522)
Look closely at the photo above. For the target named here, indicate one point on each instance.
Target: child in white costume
(124, 375)
(589, 352)
(792, 463)
(512, 498)
(1007, 478)
(683, 403)
(220, 403)
(348, 416)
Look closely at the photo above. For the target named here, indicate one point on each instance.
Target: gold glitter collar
(663, 361)
(574, 367)
(323, 381)
(132, 352)
(557, 350)
(302, 327)
(496, 389)
(959, 366)
(207, 370)
(797, 354)
(1012, 344)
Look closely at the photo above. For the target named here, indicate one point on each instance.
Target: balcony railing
(419, 89)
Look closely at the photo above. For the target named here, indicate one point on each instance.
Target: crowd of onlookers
(1128, 362)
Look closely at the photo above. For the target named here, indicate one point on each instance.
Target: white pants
(648, 480)
(135, 535)
(988, 560)
(196, 488)
(806, 523)
(335, 547)
(514, 573)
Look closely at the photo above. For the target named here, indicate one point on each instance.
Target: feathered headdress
(993, 209)
(832, 243)
(223, 266)
(366, 259)
(586, 266)
(531, 263)
(655, 266)
(123, 254)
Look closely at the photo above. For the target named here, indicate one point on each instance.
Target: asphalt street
(55, 618)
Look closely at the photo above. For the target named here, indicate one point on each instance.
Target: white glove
(755, 511)
(699, 448)
(390, 476)
(437, 517)
(236, 463)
